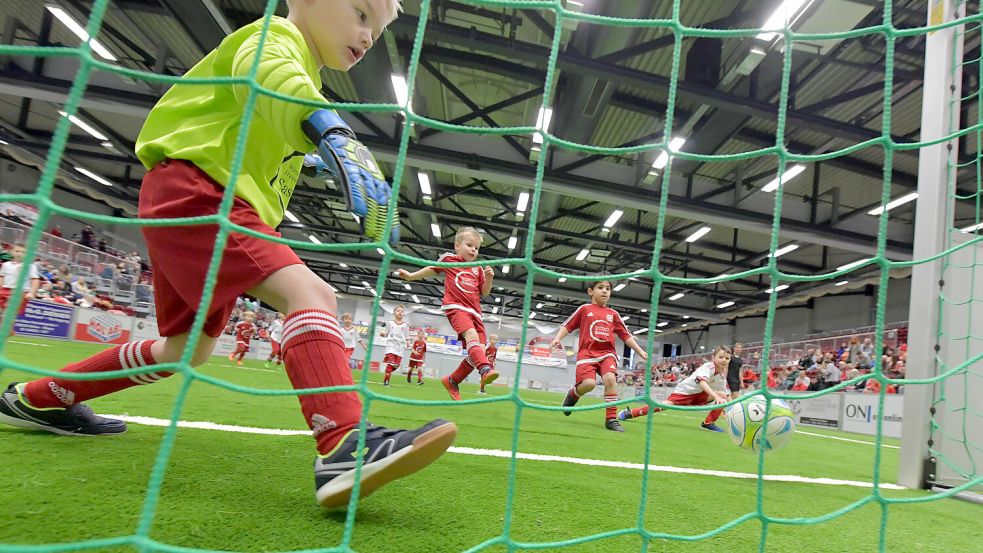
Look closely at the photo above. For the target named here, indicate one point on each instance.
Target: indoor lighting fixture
(372, 290)
(542, 122)
(79, 31)
(424, 184)
(674, 145)
(343, 265)
(841, 283)
(698, 234)
(620, 287)
(782, 16)
(291, 216)
(613, 218)
(522, 202)
(401, 90)
(972, 228)
(498, 300)
(778, 288)
(435, 229)
(641, 331)
(548, 296)
(84, 126)
(583, 254)
(685, 317)
(662, 324)
(894, 203)
(415, 299)
(539, 305)
(725, 305)
(513, 240)
(98, 178)
(407, 286)
(532, 315)
(623, 319)
(494, 309)
(505, 269)
(645, 310)
(683, 325)
(366, 285)
(676, 296)
(788, 175)
(562, 279)
(380, 251)
(313, 238)
(785, 249)
(853, 264)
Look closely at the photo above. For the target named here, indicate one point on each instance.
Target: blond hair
(468, 230)
(721, 348)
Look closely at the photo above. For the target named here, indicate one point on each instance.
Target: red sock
(573, 392)
(314, 355)
(389, 372)
(713, 416)
(611, 411)
(242, 355)
(61, 392)
(477, 355)
(462, 371)
(409, 375)
(643, 410)
(419, 375)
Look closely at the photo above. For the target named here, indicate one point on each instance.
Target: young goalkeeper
(187, 145)
(707, 384)
(598, 324)
(463, 288)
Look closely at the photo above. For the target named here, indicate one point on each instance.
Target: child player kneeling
(707, 384)
(598, 324)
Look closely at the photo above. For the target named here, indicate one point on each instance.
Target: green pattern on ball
(747, 427)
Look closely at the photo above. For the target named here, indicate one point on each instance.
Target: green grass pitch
(248, 492)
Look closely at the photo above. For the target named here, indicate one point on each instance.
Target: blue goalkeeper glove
(356, 171)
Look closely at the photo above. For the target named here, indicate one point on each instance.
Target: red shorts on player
(601, 367)
(180, 255)
(5, 297)
(274, 347)
(462, 321)
(689, 399)
(416, 363)
(242, 347)
(392, 359)
(349, 352)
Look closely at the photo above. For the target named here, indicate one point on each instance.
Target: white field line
(151, 421)
(29, 343)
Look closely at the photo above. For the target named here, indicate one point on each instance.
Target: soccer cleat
(232, 357)
(385, 383)
(613, 424)
(239, 363)
(76, 420)
(419, 383)
(624, 414)
(489, 377)
(569, 400)
(452, 388)
(482, 393)
(711, 426)
(388, 454)
(267, 364)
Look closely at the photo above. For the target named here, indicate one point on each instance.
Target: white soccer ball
(747, 427)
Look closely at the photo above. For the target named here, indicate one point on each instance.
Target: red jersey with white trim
(419, 350)
(462, 285)
(245, 331)
(706, 373)
(491, 353)
(598, 326)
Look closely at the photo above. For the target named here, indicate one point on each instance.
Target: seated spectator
(749, 378)
(44, 292)
(831, 374)
(873, 386)
(101, 246)
(56, 231)
(801, 384)
(772, 378)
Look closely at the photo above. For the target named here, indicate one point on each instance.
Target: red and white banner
(93, 325)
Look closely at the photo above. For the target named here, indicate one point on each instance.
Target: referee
(734, 371)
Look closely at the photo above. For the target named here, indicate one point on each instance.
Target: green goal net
(951, 379)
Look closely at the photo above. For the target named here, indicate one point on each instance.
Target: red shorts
(241, 346)
(689, 399)
(274, 347)
(180, 255)
(462, 321)
(392, 359)
(349, 352)
(416, 363)
(589, 370)
(5, 297)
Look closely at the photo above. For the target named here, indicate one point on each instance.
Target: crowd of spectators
(818, 370)
(264, 318)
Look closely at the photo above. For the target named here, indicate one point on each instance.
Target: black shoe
(76, 420)
(420, 383)
(613, 424)
(569, 401)
(389, 454)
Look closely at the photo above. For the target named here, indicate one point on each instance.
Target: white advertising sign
(817, 411)
(860, 414)
(145, 329)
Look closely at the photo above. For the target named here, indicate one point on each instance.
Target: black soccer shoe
(613, 424)
(76, 420)
(389, 454)
(569, 400)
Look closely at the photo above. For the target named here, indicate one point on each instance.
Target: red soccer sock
(643, 410)
(462, 371)
(477, 355)
(389, 372)
(573, 392)
(713, 416)
(242, 355)
(61, 392)
(611, 411)
(419, 375)
(314, 355)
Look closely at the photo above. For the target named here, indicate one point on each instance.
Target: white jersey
(276, 331)
(350, 337)
(396, 337)
(706, 373)
(11, 269)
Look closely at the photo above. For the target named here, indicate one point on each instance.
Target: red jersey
(462, 285)
(419, 350)
(491, 353)
(598, 326)
(245, 331)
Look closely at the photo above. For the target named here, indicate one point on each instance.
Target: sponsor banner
(860, 414)
(225, 345)
(449, 349)
(659, 394)
(259, 349)
(817, 411)
(93, 325)
(145, 329)
(47, 319)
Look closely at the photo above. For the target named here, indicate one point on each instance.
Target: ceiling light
(562, 279)
(549, 296)
(645, 310)
(424, 183)
(784, 250)
(784, 15)
(841, 283)
(401, 90)
(313, 238)
(674, 145)
(620, 287)
(367, 285)
(98, 178)
(583, 254)
(407, 286)
(894, 203)
(415, 299)
(513, 240)
(683, 325)
(853, 264)
(79, 31)
(725, 305)
(522, 203)
(498, 300)
(972, 228)
(84, 126)
(291, 216)
(778, 288)
(623, 319)
(543, 123)
(343, 265)
(372, 290)
(613, 218)
(435, 229)
(685, 317)
(641, 331)
(495, 309)
(662, 324)
(788, 175)
(697, 235)
(676, 296)
(505, 269)
(380, 251)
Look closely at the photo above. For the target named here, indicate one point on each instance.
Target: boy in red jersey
(463, 288)
(187, 145)
(419, 351)
(491, 352)
(244, 333)
(598, 324)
